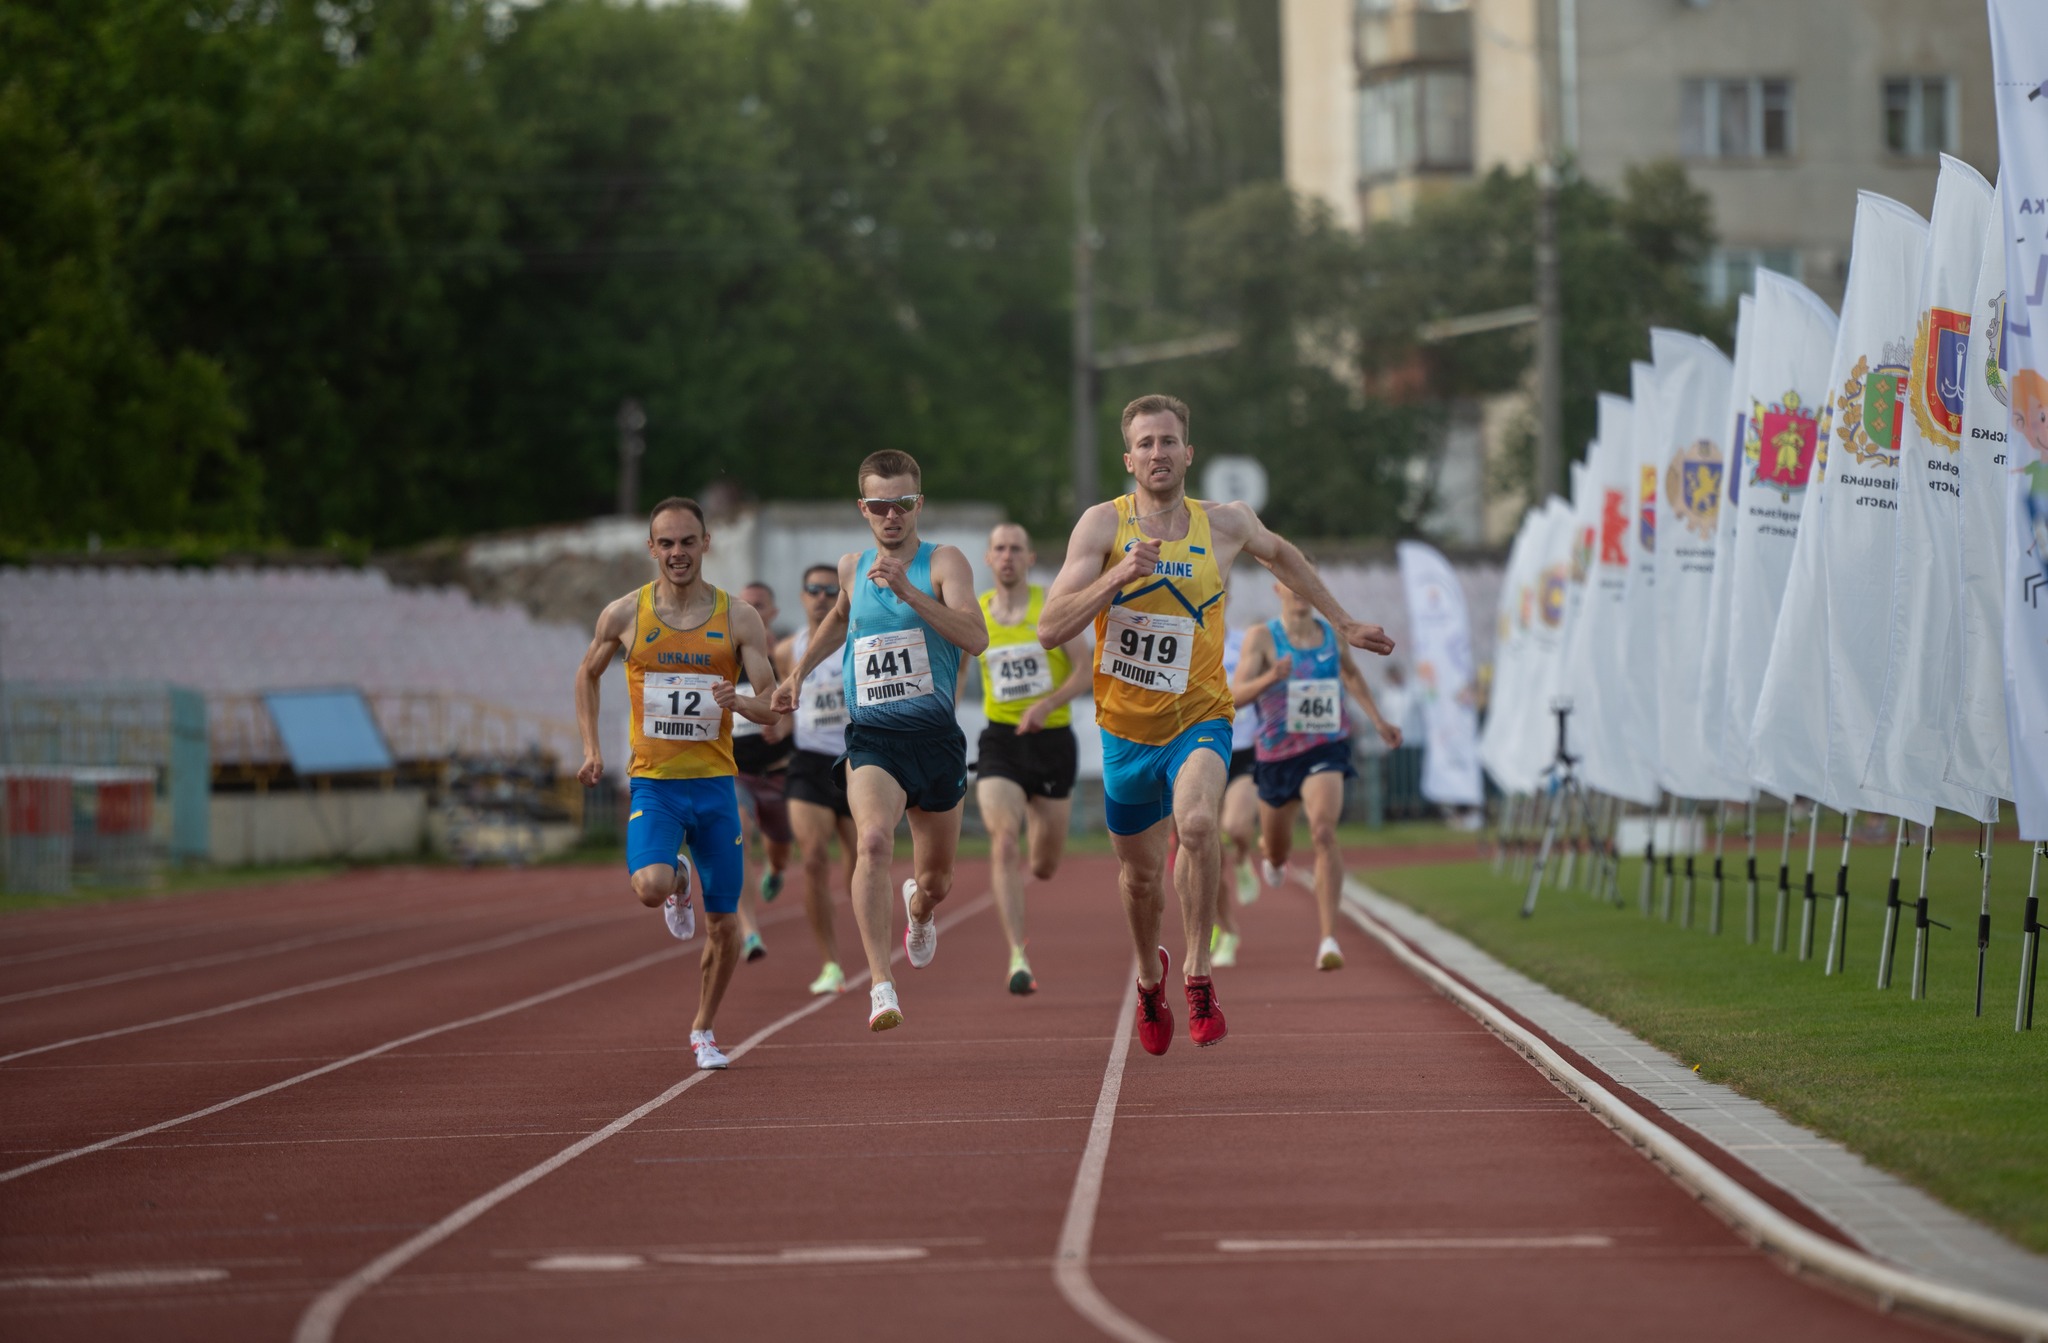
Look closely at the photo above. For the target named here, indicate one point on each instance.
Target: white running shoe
(1329, 956)
(709, 1055)
(1247, 884)
(678, 911)
(920, 940)
(883, 1013)
(831, 979)
(1274, 875)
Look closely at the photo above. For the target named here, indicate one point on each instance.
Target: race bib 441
(891, 668)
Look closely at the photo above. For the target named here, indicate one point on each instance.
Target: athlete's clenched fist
(1139, 561)
(890, 572)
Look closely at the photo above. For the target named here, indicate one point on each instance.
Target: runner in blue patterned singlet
(905, 614)
(1296, 669)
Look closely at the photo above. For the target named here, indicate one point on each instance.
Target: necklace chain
(1140, 517)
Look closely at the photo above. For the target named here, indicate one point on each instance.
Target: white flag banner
(1710, 714)
(1978, 752)
(1638, 691)
(2019, 69)
(1510, 644)
(1440, 648)
(1688, 430)
(1531, 742)
(1790, 738)
(1611, 760)
(1785, 386)
(1922, 637)
(1872, 383)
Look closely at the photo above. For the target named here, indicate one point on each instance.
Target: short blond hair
(888, 462)
(1156, 403)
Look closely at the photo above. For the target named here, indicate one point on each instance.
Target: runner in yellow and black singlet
(1150, 569)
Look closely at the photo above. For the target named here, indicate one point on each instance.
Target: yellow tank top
(678, 730)
(1159, 645)
(1016, 672)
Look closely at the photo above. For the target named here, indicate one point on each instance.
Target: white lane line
(1308, 1246)
(318, 985)
(534, 1000)
(1077, 1233)
(118, 1278)
(319, 1322)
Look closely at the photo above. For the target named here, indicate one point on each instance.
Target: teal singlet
(900, 672)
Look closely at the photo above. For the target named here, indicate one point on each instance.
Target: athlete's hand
(1389, 734)
(1371, 638)
(1033, 719)
(592, 772)
(1280, 670)
(787, 694)
(1138, 562)
(891, 573)
(724, 693)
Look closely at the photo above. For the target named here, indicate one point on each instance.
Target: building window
(1415, 120)
(1731, 271)
(1736, 118)
(1919, 115)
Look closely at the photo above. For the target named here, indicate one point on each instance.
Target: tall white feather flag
(1537, 742)
(2019, 69)
(1510, 645)
(1790, 737)
(1440, 646)
(1689, 431)
(1872, 381)
(1978, 756)
(1596, 649)
(1785, 385)
(1918, 641)
(1710, 713)
(1638, 692)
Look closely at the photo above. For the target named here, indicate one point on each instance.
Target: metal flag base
(2030, 945)
(1838, 931)
(1806, 911)
(1983, 910)
(1564, 789)
(1749, 908)
(1720, 833)
(1670, 864)
(1778, 919)
(1921, 922)
(1888, 945)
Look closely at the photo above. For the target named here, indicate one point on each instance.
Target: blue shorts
(1137, 780)
(705, 813)
(1279, 781)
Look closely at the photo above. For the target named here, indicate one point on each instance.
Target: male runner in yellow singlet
(1149, 569)
(686, 645)
(1026, 757)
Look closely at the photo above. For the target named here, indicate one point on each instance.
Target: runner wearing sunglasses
(1149, 569)
(905, 613)
(818, 813)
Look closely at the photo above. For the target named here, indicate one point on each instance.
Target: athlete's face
(1293, 606)
(762, 600)
(1156, 452)
(894, 515)
(821, 590)
(677, 541)
(1010, 554)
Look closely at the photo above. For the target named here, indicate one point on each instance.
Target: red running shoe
(1205, 1017)
(1155, 1019)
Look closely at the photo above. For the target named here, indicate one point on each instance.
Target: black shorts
(930, 767)
(1042, 763)
(810, 778)
(763, 795)
(1280, 781)
(1241, 763)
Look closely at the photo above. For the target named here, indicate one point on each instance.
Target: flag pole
(1784, 881)
(1983, 908)
(1610, 888)
(1920, 920)
(1563, 878)
(1838, 928)
(2030, 945)
(1649, 858)
(1720, 832)
(1500, 832)
(1692, 811)
(1670, 868)
(1888, 947)
(1806, 912)
(1749, 918)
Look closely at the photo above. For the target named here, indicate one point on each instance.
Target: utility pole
(1084, 374)
(632, 447)
(1549, 309)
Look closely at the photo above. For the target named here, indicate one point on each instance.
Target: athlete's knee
(1322, 832)
(935, 885)
(875, 844)
(721, 929)
(654, 885)
(1043, 865)
(1198, 829)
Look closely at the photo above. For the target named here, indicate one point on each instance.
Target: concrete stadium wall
(296, 827)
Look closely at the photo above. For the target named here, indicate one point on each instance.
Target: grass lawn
(1953, 1103)
(176, 881)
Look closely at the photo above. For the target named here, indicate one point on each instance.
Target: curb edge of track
(1756, 1219)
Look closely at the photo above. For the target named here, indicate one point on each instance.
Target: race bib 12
(677, 706)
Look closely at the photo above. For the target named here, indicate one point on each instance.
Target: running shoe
(1247, 883)
(771, 886)
(753, 948)
(1155, 1019)
(1223, 950)
(1329, 956)
(709, 1055)
(831, 979)
(883, 1013)
(1021, 982)
(920, 940)
(678, 911)
(1205, 1015)
(1273, 875)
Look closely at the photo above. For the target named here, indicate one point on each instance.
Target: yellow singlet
(1016, 672)
(678, 730)
(1159, 646)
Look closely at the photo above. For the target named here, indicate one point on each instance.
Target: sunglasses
(889, 508)
(821, 589)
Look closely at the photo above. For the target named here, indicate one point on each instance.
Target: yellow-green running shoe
(1021, 981)
(831, 979)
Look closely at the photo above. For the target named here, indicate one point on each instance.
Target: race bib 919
(891, 668)
(1147, 650)
(677, 706)
(1314, 707)
(1018, 672)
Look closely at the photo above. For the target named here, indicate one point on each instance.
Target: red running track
(221, 1109)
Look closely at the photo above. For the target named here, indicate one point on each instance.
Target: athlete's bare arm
(953, 614)
(826, 640)
(614, 627)
(1236, 528)
(1354, 681)
(750, 640)
(1091, 576)
(1257, 669)
(1080, 680)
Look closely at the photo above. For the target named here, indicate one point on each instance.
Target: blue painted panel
(328, 731)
